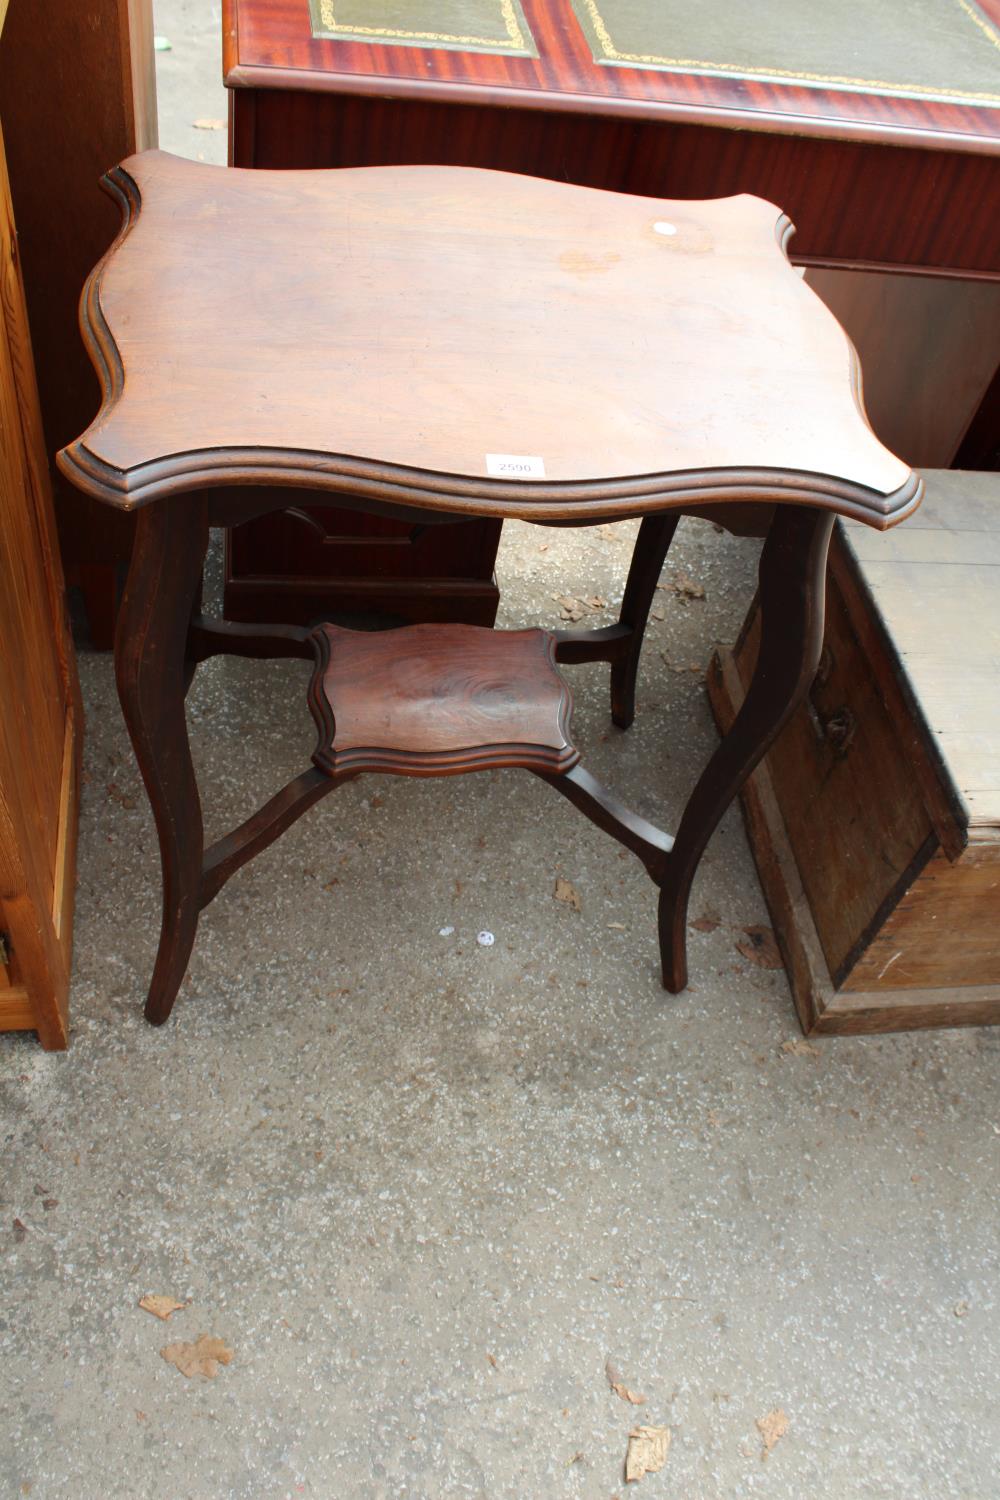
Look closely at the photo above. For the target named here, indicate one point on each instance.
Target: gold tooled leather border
(518, 41)
(589, 11)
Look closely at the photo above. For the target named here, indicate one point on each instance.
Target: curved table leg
(191, 662)
(163, 581)
(651, 547)
(792, 597)
(604, 809)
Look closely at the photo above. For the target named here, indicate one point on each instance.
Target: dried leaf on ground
(761, 947)
(615, 1382)
(209, 124)
(647, 1451)
(771, 1428)
(686, 588)
(675, 666)
(201, 1358)
(567, 893)
(707, 922)
(573, 609)
(570, 608)
(160, 1307)
(799, 1047)
(20, 1230)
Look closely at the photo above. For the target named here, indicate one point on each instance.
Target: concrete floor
(425, 1189)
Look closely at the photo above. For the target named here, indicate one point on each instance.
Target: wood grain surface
(854, 844)
(936, 590)
(875, 823)
(78, 92)
(943, 933)
(394, 328)
(863, 187)
(925, 208)
(438, 700)
(953, 997)
(41, 718)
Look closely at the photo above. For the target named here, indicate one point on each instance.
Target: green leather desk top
(944, 49)
(451, 25)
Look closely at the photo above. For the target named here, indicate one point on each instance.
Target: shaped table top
(466, 340)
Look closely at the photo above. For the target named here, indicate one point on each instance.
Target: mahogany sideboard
(893, 170)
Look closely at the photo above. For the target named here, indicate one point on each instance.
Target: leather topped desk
(877, 128)
(434, 344)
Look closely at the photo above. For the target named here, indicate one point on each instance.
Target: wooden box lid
(931, 591)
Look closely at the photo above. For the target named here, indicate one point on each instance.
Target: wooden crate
(875, 820)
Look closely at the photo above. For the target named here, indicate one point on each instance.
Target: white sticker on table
(515, 466)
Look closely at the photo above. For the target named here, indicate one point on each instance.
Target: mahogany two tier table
(439, 343)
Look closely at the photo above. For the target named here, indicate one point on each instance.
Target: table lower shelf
(440, 700)
(498, 696)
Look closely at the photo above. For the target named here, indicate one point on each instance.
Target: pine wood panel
(40, 714)
(854, 815)
(823, 1009)
(938, 596)
(876, 825)
(945, 929)
(32, 691)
